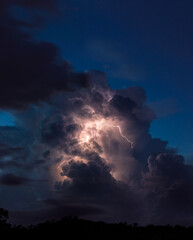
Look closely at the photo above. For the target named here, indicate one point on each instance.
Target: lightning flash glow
(92, 131)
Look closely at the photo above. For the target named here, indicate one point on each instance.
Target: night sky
(96, 110)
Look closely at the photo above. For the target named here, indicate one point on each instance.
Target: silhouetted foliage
(3, 220)
(74, 228)
(3, 215)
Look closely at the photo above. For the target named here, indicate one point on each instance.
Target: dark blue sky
(136, 42)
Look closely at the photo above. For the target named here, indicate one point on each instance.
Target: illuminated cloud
(93, 147)
(86, 147)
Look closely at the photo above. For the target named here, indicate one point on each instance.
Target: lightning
(120, 131)
(91, 130)
(123, 136)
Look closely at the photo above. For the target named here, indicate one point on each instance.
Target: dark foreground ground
(74, 228)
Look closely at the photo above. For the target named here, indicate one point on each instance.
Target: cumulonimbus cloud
(90, 144)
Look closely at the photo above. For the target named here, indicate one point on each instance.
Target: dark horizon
(75, 227)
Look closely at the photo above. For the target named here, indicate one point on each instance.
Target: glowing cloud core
(93, 129)
(92, 132)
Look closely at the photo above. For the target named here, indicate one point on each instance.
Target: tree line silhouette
(72, 228)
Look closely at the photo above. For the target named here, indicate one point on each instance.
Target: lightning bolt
(123, 136)
(120, 131)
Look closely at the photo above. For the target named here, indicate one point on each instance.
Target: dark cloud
(12, 180)
(31, 71)
(137, 94)
(122, 104)
(54, 131)
(8, 151)
(169, 181)
(89, 179)
(11, 156)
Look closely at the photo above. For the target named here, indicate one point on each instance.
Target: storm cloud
(12, 180)
(77, 146)
(31, 71)
(86, 149)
